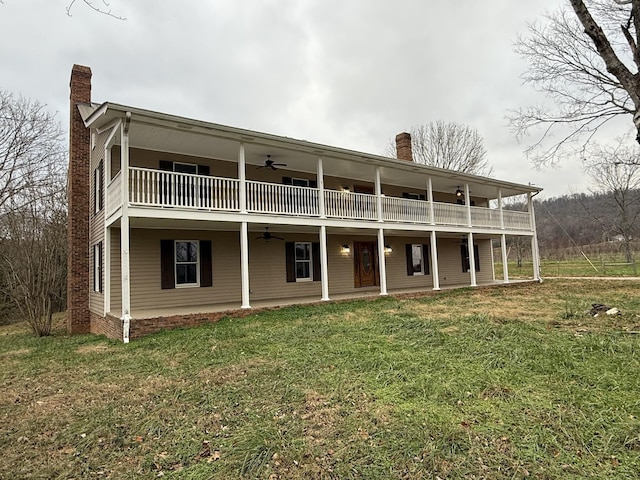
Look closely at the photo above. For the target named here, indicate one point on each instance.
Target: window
(299, 182)
(97, 267)
(417, 259)
(302, 261)
(413, 196)
(97, 187)
(185, 263)
(464, 253)
(185, 167)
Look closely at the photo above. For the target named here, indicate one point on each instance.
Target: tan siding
(450, 262)
(116, 273)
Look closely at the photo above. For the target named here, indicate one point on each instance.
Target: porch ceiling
(155, 131)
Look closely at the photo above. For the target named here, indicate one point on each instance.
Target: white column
(467, 202)
(535, 254)
(430, 198)
(320, 181)
(505, 266)
(379, 198)
(124, 230)
(244, 264)
(500, 208)
(242, 177)
(107, 270)
(324, 269)
(472, 260)
(434, 262)
(381, 262)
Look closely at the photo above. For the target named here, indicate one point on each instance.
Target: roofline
(251, 136)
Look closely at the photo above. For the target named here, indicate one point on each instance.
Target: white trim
(472, 260)
(107, 271)
(324, 268)
(176, 263)
(505, 265)
(309, 261)
(434, 261)
(382, 263)
(422, 271)
(244, 264)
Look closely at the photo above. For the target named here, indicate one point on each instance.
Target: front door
(365, 264)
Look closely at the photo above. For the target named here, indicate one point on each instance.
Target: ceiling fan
(270, 164)
(266, 236)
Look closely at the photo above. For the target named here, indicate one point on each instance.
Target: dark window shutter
(287, 181)
(315, 260)
(290, 254)
(425, 259)
(409, 259)
(313, 183)
(422, 197)
(405, 194)
(206, 270)
(167, 273)
(477, 257)
(203, 169)
(166, 165)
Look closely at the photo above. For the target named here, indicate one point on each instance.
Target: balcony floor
(257, 305)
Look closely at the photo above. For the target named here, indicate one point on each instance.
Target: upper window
(304, 268)
(185, 167)
(299, 182)
(187, 261)
(97, 187)
(417, 259)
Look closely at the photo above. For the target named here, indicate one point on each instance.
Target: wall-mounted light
(388, 249)
(345, 248)
(346, 188)
(459, 193)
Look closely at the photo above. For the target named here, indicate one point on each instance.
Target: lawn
(499, 382)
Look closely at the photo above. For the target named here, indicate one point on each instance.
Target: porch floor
(373, 292)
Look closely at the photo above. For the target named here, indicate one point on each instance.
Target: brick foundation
(109, 326)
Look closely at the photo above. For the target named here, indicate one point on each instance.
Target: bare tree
(586, 60)
(102, 7)
(615, 170)
(447, 145)
(32, 210)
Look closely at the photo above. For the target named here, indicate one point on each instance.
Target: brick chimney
(403, 147)
(78, 204)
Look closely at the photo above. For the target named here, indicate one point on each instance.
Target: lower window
(304, 268)
(417, 259)
(187, 261)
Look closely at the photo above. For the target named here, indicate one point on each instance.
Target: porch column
(320, 182)
(505, 266)
(535, 254)
(467, 202)
(500, 208)
(324, 270)
(379, 202)
(434, 261)
(432, 219)
(106, 273)
(244, 264)
(472, 260)
(124, 230)
(242, 177)
(381, 262)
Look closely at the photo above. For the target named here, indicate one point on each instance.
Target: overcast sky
(348, 73)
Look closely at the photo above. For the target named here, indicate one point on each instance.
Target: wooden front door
(365, 264)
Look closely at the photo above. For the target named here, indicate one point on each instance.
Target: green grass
(578, 267)
(501, 382)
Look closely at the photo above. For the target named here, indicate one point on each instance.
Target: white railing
(516, 220)
(450, 214)
(281, 199)
(397, 209)
(171, 189)
(114, 194)
(350, 205)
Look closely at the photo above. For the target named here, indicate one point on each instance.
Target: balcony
(155, 188)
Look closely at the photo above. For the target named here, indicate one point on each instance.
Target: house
(173, 220)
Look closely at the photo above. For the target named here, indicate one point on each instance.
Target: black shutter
(167, 268)
(409, 253)
(405, 194)
(422, 197)
(464, 254)
(290, 255)
(477, 257)
(313, 183)
(315, 260)
(425, 259)
(287, 180)
(100, 179)
(206, 270)
(203, 169)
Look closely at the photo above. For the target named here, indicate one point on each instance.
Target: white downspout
(124, 230)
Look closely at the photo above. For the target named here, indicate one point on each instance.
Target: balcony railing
(170, 189)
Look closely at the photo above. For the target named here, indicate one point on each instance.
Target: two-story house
(174, 220)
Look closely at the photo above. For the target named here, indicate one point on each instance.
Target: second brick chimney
(78, 205)
(403, 147)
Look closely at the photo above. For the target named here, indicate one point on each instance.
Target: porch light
(345, 189)
(459, 193)
(388, 249)
(345, 248)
